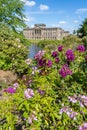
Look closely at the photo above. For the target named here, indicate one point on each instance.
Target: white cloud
(44, 7)
(29, 3)
(81, 10)
(75, 21)
(28, 19)
(62, 22)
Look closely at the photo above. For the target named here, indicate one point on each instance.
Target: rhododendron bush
(13, 51)
(53, 94)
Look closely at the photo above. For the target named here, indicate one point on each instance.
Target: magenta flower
(60, 48)
(64, 71)
(49, 63)
(70, 55)
(57, 60)
(42, 62)
(54, 54)
(29, 93)
(10, 90)
(81, 48)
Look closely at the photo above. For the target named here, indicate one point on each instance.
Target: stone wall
(41, 32)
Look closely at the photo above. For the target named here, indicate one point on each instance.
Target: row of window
(42, 37)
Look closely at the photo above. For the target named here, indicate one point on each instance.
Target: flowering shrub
(64, 71)
(81, 48)
(60, 48)
(13, 52)
(52, 96)
(70, 55)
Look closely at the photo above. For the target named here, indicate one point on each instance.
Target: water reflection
(33, 49)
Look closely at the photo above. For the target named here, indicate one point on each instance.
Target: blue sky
(67, 14)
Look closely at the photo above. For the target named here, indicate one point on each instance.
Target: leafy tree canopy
(82, 31)
(11, 13)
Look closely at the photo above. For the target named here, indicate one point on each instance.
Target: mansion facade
(41, 32)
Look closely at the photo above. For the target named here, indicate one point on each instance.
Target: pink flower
(29, 93)
(32, 118)
(72, 99)
(15, 85)
(83, 126)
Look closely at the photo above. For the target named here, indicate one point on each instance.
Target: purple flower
(73, 115)
(70, 55)
(57, 60)
(69, 112)
(10, 90)
(64, 71)
(81, 48)
(60, 48)
(29, 93)
(54, 54)
(42, 62)
(83, 126)
(41, 92)
(72, 99)
(49, 63)
(82, 100)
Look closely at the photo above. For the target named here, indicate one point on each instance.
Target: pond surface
(33, 49)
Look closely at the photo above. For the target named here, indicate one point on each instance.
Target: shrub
(12, 52)
(52, 96)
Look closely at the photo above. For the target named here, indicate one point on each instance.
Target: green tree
(82, 31)
(11, 13)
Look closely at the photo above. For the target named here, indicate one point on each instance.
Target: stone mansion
(41, 32)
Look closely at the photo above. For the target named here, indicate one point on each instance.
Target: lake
(33, 49)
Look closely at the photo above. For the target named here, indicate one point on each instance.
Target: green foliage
(84, 39)
(71, 40)
(11, 13)
(12, 51)
(82, 31)
(47, 105)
